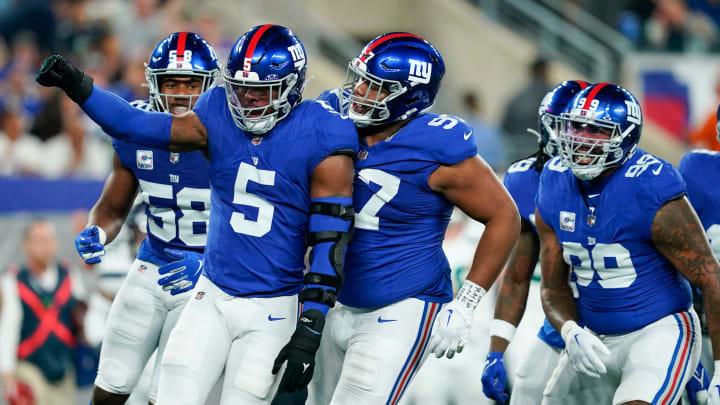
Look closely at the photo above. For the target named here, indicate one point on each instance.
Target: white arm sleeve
(10, 323)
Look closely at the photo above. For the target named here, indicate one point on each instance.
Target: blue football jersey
(701, 171)
(624, 283)
(260, 193)
(522, 181)
(400, 221)
(176, 192)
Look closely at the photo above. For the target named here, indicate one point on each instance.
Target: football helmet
(404, 68)
(600, 129)
(180, 54)
(267, 59)
(552, 105)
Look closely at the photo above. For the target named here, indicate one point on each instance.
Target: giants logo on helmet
(298, 55)
(633, 112)
(420, 72)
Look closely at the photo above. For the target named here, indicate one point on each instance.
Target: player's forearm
(493, 249)
(511, 300)
(558, 304)
(711, 301)
(515, 285)
(122, 121)
(109, 220)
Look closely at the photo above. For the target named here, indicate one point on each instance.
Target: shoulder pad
(142, 105)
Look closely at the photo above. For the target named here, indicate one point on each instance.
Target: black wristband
(82, 92)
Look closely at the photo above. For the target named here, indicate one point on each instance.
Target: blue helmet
(600, 129)
(268, 58)
(180, 54)
(552, 105)
(403, 67)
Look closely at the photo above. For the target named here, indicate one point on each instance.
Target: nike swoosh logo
(380, 320)
(270, 318)
(450, 312)
(305, 366)
(155, 59)
(593, 195)
(466, 136)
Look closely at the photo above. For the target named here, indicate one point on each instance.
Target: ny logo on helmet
(298, 55)
(420, 72)
(633, 112)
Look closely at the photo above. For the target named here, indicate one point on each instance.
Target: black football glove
(300, 352)
(56, 71)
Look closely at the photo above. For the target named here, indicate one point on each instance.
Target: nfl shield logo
(362, 155)
(256, 141)
(174, 157)
(144, 159)
(199, 295)
(567, 221)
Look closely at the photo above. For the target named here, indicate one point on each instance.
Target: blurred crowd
(44, 134)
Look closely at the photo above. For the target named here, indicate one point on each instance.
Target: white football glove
(583, 348)
(452, 325)
(714, 389)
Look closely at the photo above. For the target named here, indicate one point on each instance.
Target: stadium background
(501, 56)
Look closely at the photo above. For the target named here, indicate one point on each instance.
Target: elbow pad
(331, 228)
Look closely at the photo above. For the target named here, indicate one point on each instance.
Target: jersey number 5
(247, 173)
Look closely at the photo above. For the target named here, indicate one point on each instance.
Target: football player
(616, 217)
(280, 170)
(700, 170)
(176, 192)
(522, 180)
(412, 168)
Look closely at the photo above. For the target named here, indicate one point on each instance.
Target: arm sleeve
(121, 120)
(10, 323)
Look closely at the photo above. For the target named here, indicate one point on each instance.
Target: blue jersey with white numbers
(701, 171)
(521, 181)
(176, 192)
(261, 194)
(400, 221)
(624, 283)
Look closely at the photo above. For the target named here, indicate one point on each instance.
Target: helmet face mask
(181, 100)
(395, 77)
(600, 130)
(264, 77)
(198, 61)
(369, 94)
(271, 106)
(549, 119)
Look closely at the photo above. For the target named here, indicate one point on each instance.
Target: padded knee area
(113, 377)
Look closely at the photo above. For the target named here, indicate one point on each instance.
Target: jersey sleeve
(335, 133)
(522, 189)
(208, 107)
(691, 171)
(331, 97)
(459, 141)
(656, 186)
(544, 199)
